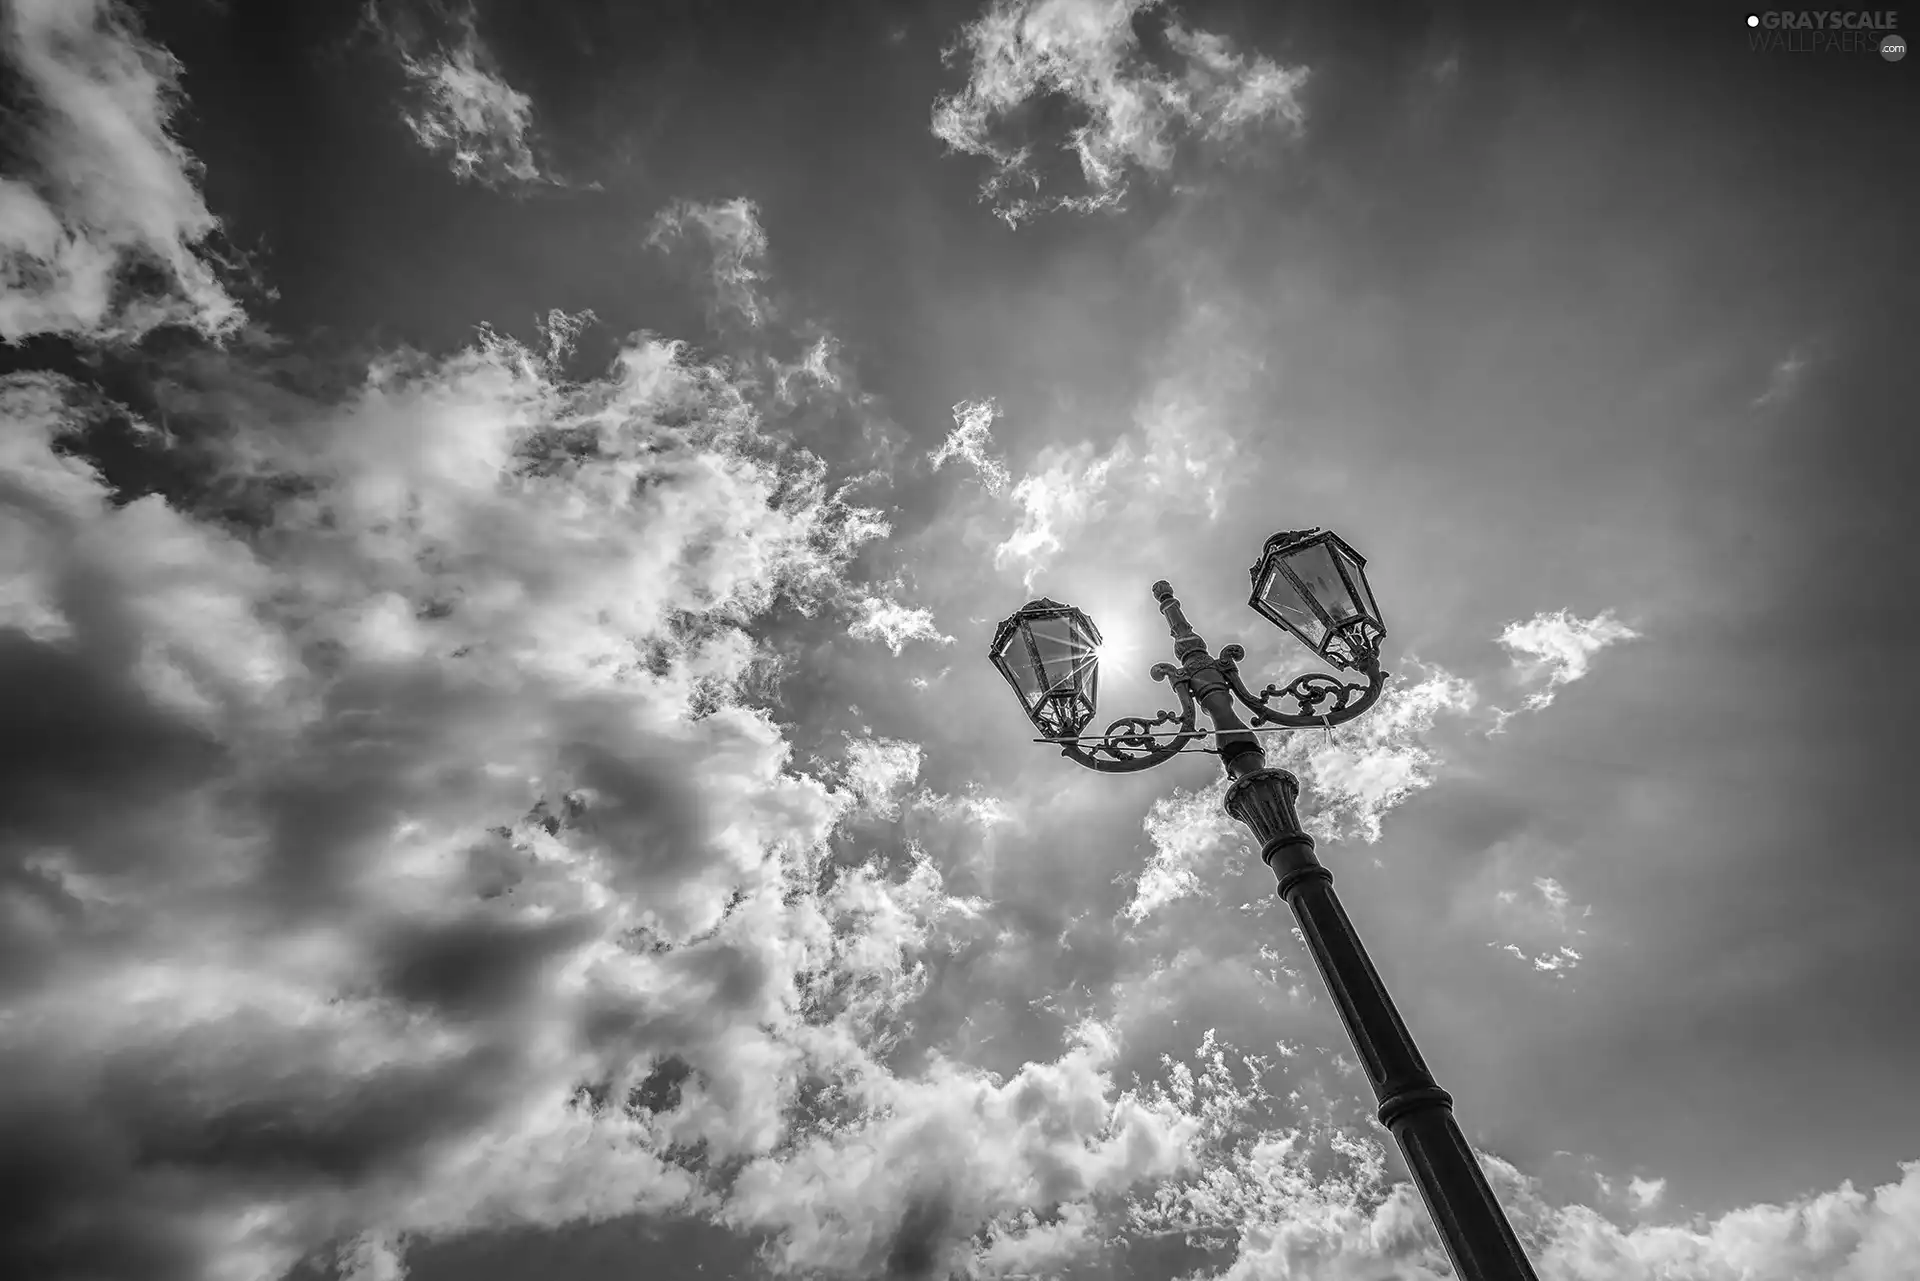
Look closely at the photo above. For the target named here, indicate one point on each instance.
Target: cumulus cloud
(106, 192)
(401, 859)
(462, 108)
(1556, 649)
(1279, 1193)
(731, 232)
(1130, 111)
(892, 624)
(344, 849)
(951, 1151)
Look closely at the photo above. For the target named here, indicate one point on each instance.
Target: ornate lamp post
(1314, 585)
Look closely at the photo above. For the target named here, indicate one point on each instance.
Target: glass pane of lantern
(1359, 581)
(1285, 600)
(1020, 663)
(1314, 567)
(1061, 651)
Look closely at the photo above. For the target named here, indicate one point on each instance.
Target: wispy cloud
(732, 233)
(1551, 650)
(1132, 112)
(1190, 831)
(462, 108)
(894, 625)
(1783, 379)
(1170, 460)
(1543, 916)
(106, 189)
(1354, 777)
(1066, 490)
(971, 440)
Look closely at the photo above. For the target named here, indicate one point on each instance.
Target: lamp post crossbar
(1411, 1105)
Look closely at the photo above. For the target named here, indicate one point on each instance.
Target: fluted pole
(1412, 1105)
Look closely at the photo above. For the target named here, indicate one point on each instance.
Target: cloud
(1646, 1193)
(1350, 780)
(1066, 490)
(943, 1155)
(970, 440)
(877, 769)
(892, 624)
(1087, 52)
(330, 840)
(352, 849)
(1558, 649)
(400, 860)
(1783, 379)
(1190, 830)
(462, 108)
(732, 232)
(107, 192)
(1180, 458)
(1306, 1196)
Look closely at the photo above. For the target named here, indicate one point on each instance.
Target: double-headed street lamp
(1314, 585)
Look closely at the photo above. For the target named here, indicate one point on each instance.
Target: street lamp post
(1313, 584)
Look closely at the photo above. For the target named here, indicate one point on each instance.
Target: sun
(1119, 649)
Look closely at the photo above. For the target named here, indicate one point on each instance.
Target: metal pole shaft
(1478, 1237)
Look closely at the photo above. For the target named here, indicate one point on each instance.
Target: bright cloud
(971, 439)
(1367, 767)
(1311, 1198)
(877, 769)
(464, 110)
(106, 189)
(951, 1151)
(1179, 460)
(1066, 489)
(1558, 649)
(1131, 112)
(894, 625)
(1190, 831)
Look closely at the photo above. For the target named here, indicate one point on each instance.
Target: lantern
(1314, 585)
(1049, 653)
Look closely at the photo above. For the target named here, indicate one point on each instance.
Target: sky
(503, 507)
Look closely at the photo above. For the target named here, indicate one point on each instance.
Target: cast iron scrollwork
(1129, 745)
(1308, 694)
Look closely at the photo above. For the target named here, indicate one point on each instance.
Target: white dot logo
(1753, 20)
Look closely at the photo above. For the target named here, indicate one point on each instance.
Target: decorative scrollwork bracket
(1307, 693)
(1129, 743)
